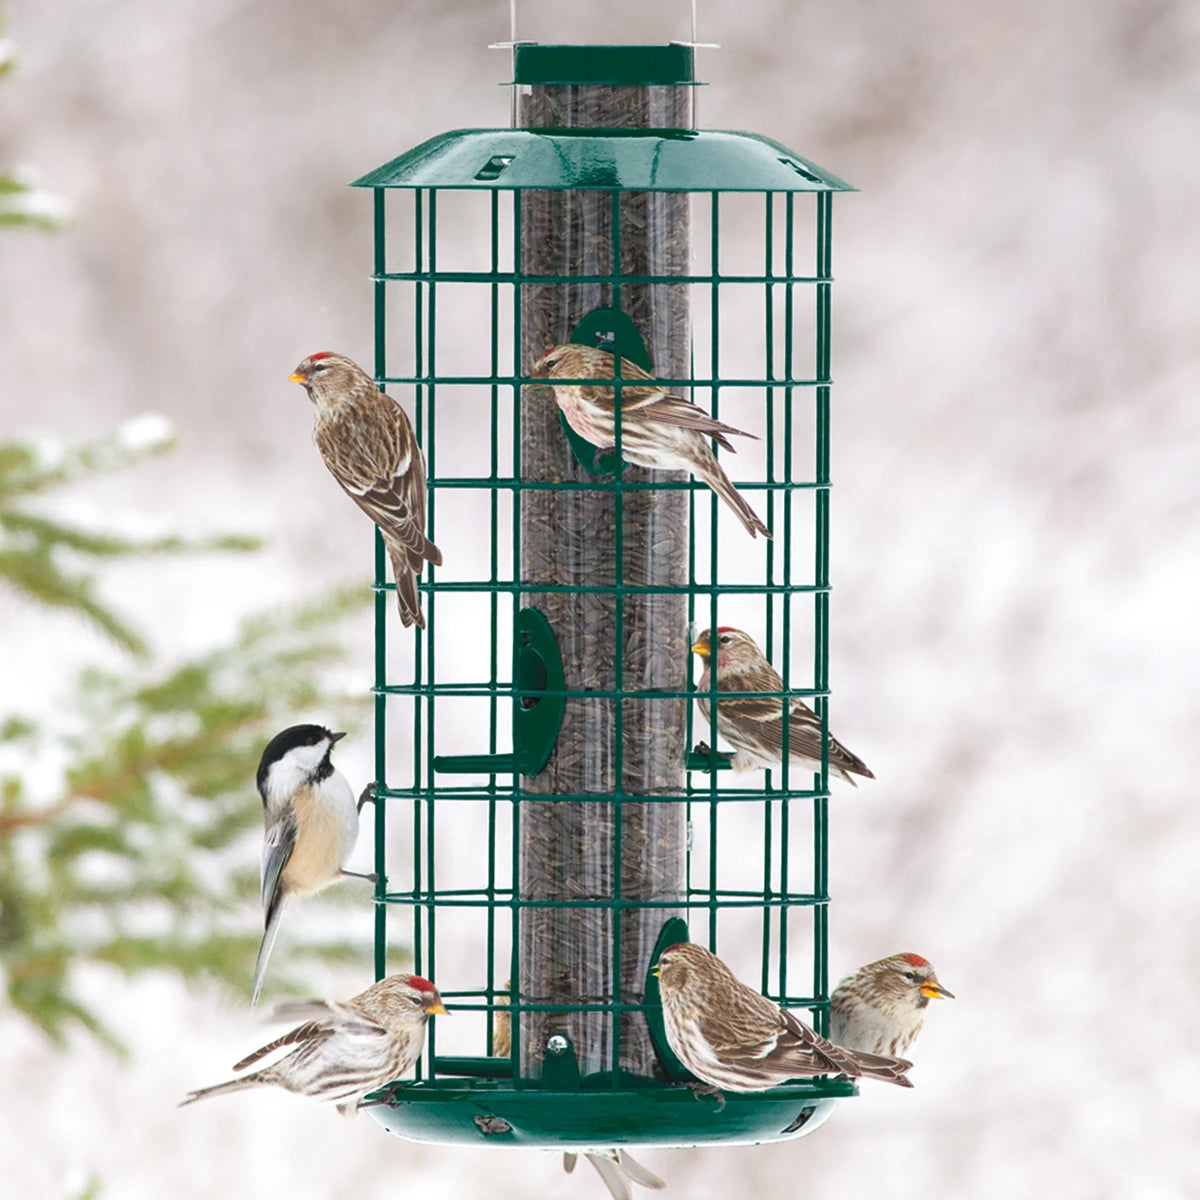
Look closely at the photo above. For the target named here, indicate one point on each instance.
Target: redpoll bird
(731, 1036)
(754, 727)
(370, 449)
(311, 824)
(658, 429)
(343, 1051)
(619, 1170)
(881, 1007)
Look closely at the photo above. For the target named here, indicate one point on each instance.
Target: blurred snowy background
(1015, 542)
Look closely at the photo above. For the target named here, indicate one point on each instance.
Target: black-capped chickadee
(311, 820)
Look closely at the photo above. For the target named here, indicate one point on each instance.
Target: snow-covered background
(1015, 544)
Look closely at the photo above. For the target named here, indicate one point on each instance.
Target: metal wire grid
(704, 799)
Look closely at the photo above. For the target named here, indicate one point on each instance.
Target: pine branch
(37, 551)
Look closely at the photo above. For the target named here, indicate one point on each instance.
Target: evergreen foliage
(23, 202)
(129, 819)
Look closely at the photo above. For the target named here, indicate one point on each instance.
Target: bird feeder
(558, 820)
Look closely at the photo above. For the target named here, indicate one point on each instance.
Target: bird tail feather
(880, 1066)
(720, 483)
(268, 943)
(407, 599)
(614, 1178)
(219, 1089)
(637, 1172)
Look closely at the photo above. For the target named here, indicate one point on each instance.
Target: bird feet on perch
(704, 758)
(370, 878)
(368, 793)
(707, 1089)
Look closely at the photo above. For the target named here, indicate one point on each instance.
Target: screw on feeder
(557, 1045)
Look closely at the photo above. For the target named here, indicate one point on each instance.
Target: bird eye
(723, 640)
(319, 367)
(911, 976)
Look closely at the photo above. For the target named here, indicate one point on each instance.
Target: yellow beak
(655, 971)
(435, 1010)
(701, 648)
(934, 991)
(296, 377)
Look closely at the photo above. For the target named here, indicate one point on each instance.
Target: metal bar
(418, 416)
(531, 381)
(381, 606)
(514, 277)
(481, 484)
(752, 899)
(494, 614)
(821, 603)
(479, 689)
(430, 641)
(515, 1001)
(714, 250)
(785, 769)
(618, 654)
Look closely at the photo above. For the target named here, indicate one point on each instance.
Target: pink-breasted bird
(343, 1050)
(369, 447)
(881, 1007)
(754, 726)
(730, 1036)
(658, 429)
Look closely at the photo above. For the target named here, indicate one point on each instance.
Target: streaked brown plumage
(881, 1007)
(754, 727)
(343, 1050)
(658, 429)
(501, 1026)
(730, 1036)
(369, 447)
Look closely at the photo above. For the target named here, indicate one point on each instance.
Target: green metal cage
(542, 808)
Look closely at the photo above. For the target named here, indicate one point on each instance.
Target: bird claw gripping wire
(707, 1089)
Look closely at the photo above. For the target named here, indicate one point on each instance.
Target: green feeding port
(550, 808)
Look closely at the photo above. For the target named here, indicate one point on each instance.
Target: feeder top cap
(613, 66)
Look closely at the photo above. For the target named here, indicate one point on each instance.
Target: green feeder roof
(663, 160)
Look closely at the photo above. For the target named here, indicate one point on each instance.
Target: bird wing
(747, 1040)
(279, 840)
(802, 1040)
(760, 717)
(320, 1020)
(804, 733)
(382, 470)
(309, 1032)
(654, 403)
(668, 409)
(804, 739)
(331, 1015)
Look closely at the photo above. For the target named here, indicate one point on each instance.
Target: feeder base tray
(482, 1113)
